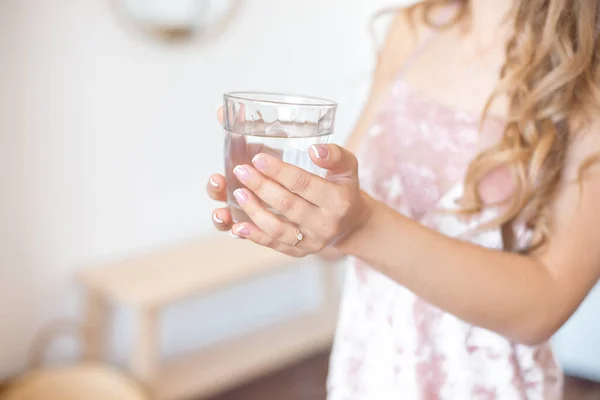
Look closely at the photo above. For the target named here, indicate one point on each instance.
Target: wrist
(360, 227)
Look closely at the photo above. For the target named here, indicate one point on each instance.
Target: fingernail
(233, 235)
(260, 162)
(243, 231)
(242, 173)
(217, 219)
(241, 196)
(320, 151)
(213, 183)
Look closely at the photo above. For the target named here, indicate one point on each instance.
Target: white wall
(577, 344)
(107, 138)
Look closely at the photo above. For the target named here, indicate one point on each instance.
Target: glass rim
(296, 100)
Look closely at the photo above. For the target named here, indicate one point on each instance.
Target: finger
(220, 116)
(288, 204)
(297, 180)
(338, 161)
(277, 229)
(222, 220)
(249, 230)
(216, 187)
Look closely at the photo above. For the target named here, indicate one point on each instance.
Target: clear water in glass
(279, 125)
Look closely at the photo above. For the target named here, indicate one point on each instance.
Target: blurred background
(107, 137)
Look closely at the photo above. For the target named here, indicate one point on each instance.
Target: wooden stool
(81, 380)
(151, 282)
(89, 381)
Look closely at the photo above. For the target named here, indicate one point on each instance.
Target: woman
(470, 244)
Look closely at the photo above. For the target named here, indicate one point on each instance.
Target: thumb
(337, 160)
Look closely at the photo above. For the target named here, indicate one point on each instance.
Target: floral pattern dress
(391, 344)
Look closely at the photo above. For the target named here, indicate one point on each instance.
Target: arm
(526, 298)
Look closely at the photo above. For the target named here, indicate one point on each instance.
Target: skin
(524, 298)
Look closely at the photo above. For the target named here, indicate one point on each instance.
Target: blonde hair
(550, 78)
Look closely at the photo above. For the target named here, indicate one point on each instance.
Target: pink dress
(392, 345)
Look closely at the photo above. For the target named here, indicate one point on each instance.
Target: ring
(299, 236)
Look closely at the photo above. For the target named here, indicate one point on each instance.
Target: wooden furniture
(75, 381)
(151, 282)
(89, 381)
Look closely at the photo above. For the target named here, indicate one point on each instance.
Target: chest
(417, 150)
(448, 71)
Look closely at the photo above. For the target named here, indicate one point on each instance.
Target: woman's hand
(323, 211)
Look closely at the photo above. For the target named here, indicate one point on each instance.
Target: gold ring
(299, 236)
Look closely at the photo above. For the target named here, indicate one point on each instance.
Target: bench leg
(144, 354)
(95, 326)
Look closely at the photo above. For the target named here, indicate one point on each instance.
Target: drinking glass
(283, 126)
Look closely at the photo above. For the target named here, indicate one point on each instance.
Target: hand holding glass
(283, 126)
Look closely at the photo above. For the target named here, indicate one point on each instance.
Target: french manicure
(241, 196)
(233, 235)
(217, 219)
(242, 173)
(320, 151)
(260, 162)
(243, 231)
(213, 183)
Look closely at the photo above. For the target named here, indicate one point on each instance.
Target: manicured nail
(233, 235)
(213, 183)
(217, 219)
(260, 162)
(242, 173)
(320, 151)
(241, 196)
(243, 231)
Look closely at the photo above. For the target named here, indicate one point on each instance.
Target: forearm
(504, 292)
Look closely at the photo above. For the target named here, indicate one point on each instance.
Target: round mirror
(177, 19)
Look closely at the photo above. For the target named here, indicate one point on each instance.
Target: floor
(306, 381)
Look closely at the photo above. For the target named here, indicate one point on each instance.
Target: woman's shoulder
(404, 29)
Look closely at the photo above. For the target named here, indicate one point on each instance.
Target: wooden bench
(149, 283)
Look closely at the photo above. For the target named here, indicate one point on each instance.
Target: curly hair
(550, 78)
